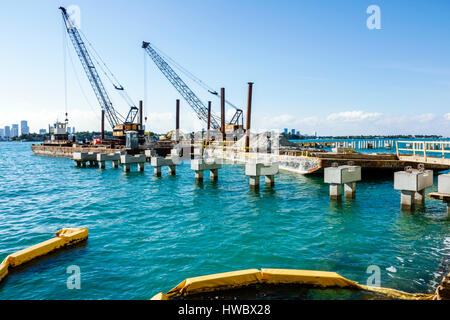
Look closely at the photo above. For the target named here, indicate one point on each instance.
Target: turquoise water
(147, 234)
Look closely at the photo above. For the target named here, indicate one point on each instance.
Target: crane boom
(91, 72)
(182, 88)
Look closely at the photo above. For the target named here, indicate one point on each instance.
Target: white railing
(423, 148)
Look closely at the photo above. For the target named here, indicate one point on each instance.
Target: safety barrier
(64, 237)
(243, 278)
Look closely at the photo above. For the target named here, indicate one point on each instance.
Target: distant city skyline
(14, 130)
(315, 64)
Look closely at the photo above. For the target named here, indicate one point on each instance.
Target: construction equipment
(200, 109)
(119, 124)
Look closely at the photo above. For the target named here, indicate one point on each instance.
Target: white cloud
(358, 122)
(353, 116)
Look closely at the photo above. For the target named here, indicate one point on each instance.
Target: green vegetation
(30, 137)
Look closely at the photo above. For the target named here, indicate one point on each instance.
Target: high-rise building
(2, 133)
(15, 130)
(24, 129)
(298, 133)
(292, 131)
(42, 131)
(68, 130)
(7, 132)
(285, 131)
(73, 130)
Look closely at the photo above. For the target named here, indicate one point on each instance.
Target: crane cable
(64, 43)
(78, 80)
(192, 76)
(145, 86)
(111, 77)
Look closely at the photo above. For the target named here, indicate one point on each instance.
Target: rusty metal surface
(439, 196)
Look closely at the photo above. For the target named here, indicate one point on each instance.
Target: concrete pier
(443, 190)
(412, 184)
(81, 158)
(158, 162)
(149, 154)
(256, 170)
(103, 157)
(200, 165)
(342, 175)
(350, 190)
(335, 191)
(127, 160)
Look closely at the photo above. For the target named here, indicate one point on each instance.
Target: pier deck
(379, 161)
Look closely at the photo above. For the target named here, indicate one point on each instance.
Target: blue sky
(315, 64)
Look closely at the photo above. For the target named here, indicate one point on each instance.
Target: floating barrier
(244, 278)
(64, 238)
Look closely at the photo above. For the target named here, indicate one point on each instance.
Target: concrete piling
(254, 182)
(412, 184)
(214, 174)
(149, 154)
(270, 181)
(255, 170)
(127, 160)
(342, 175)
(443, 192)
(103, 157)
(81, 158)
(335, 191)
(200, 165)
(158, 162)
(350, 190)
(199, 176)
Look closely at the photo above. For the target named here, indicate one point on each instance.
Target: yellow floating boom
(243, 278)
(64, 237)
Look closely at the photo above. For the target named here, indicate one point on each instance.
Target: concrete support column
(335, 191)
(448, 208)
(350, 190)
(270, 181)
(141, 166)
(407, 200)
(419, 197)
(78, 163)
(115, 163)
(254, 182)
(172, 170)
(214, 174)
(83, 164)
(101, 164)
(126, 167)
(198, 175)
(157, 171)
